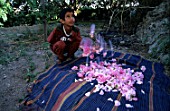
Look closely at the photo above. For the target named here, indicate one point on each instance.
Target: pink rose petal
(80, 79)
(87, 94)
(143, 68)
(101, 92)
(91, 56)
(97, 109)
(129, 105)
(104, 54)
(75, 80)
(117, 103)
(135, 99)
(92, 84)
(143, 91)
(110, 99)
(74, 68)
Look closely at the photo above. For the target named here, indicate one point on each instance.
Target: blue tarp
(56, 89)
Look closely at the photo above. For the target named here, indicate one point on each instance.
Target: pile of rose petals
(111, 77)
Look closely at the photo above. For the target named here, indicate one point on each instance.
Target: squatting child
(65, 38)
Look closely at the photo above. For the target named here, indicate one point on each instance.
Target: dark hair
(64, 11)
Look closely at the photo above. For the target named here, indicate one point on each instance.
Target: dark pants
(60, 48)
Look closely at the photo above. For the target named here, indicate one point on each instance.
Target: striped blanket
(56, 89)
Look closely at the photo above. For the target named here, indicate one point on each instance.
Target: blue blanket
(56, 89)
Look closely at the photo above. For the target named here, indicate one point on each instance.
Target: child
(65, 38)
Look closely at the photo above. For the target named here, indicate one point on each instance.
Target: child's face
(69, 19)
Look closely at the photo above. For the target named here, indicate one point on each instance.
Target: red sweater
(58, 32)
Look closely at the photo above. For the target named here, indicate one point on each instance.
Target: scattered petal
(92, 56)
(97, 109)
(110, 99)
(129, 105)
(139, 82)
(75, 80)
(117, 103)
(74, 68)
(87, 94)
(92, 83)
(143, 68)
(135, 98)
(104, 54)
(114, 60)
(80, 79)
(114, 90)
(101, 92)
(143, 91)
(96, 90)
(43, 101)
(123, 64)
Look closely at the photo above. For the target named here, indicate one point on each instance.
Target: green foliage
(32, 66)
(4, 59)
(28, 13)
(45, 45)
(32, 12)
(5, 8)
(5, 56)
(30, 77)
(52, 10)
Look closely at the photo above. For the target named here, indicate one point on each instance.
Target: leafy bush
(5, 8)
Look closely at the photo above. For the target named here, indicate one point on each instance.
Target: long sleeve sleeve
(51, 37)
(76, 36)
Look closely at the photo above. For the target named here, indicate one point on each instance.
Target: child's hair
(64, 11)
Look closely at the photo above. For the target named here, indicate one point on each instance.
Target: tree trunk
(44, 20)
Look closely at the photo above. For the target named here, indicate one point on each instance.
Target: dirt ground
(15, 76)
(26, 58)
